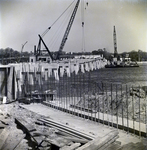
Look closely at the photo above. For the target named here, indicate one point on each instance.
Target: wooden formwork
(7, 82)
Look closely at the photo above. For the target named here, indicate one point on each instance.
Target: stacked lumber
(47, 134)
(55, 135)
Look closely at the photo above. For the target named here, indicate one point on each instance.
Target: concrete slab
(84, 125)
(80, 124)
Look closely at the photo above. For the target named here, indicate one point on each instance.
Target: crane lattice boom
(67, 30)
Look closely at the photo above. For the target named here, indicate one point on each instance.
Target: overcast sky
(23, 20)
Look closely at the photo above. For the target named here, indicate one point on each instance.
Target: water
(132, 76)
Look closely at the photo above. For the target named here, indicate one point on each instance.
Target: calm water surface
(132, 76)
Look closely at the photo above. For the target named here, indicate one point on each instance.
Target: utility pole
(115, 43)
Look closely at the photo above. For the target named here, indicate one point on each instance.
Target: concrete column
(10, 83)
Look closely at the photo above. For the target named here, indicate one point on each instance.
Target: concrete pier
(7, 84)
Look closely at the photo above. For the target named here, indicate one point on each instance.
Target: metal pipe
(139, 113)
(107, 100)
(146, 109)
(112, 104)
(122, 108)
(133, 111)
(127, 109)
(117, 106)
(98, 106)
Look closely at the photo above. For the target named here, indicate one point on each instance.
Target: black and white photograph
(73, 74)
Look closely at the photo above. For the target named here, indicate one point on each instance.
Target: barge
(121, 65)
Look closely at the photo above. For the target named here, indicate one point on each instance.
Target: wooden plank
(23, 123)
(58, 141)
(108, 143)
(37, 133)
(40, 136)
(66, 136)
(67, 128)
(13, 140)
(22, 145)
(77, 140)
(62, 131)
(71, 147)
(71, 138)
(26, 127)
(113, 146)
(99, 142)
(30, 129)
(39, 139)
(3, 136)
(39, 123)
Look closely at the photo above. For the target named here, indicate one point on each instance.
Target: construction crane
(115, 43)
(64, 39)
(67, 30)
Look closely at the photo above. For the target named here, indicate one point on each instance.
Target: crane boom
(115, 44)
(67, 30)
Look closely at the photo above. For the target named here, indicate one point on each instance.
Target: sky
(23, 20)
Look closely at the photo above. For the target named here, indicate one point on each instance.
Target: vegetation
(9, 55)
(134, 55)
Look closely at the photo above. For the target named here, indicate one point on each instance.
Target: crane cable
(45, 32)
(59, 32)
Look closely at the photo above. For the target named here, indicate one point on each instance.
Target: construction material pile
(23, 129)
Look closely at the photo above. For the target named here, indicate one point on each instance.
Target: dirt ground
(132, 103)
(34, 111)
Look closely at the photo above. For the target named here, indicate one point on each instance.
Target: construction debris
(23, 129)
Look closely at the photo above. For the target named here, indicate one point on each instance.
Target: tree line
(8, 55)
(9, 52)
(134, 55)
(11, 55)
